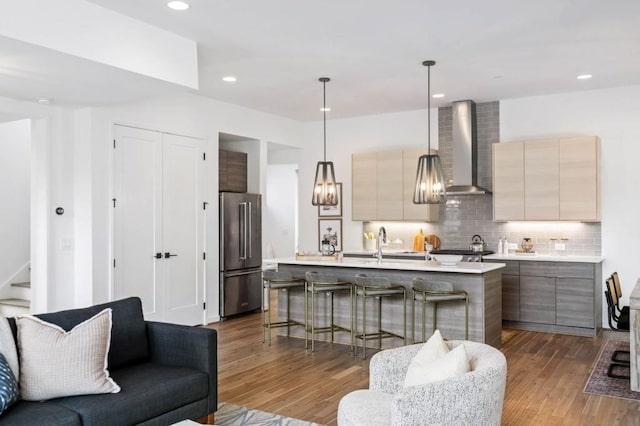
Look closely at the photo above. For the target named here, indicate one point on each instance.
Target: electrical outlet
(513, 246)
(560, 246)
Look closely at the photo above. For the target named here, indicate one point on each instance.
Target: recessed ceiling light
(178, 5)
(584, 76)
(327, 109)
(229, 79)
(438, 95)
(44, 101)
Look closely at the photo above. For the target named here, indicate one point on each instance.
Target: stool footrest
(379, 335)
(283, 324)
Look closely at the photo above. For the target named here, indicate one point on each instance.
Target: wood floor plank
(545, 379)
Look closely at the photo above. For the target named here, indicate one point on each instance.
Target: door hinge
(204, 156)
(114, 144)
(204, 256)
(204, 205)
(114, 202)
(114, 263)
(204, 306)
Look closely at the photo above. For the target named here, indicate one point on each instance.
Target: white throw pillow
(8, 347)
(434, 362)
(56, 363)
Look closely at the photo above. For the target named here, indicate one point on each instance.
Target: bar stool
(317, 283)
(377, 288)
(273, 280)
(436, 292)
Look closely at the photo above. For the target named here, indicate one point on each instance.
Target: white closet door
(158, 224)
(138, 218)
(182, 230)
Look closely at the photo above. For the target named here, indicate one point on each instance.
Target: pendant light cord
(324, 117)
(429, 109)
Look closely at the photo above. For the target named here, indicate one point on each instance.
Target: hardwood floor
(546, 376)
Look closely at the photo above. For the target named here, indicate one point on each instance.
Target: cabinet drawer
(512, 266)
(557, 269)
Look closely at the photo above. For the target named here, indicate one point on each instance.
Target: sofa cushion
(26, 413)
(8, 386)
(58, 363)
(148, 390)
(129, 343)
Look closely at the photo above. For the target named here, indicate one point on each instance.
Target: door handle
(168, 255)
(158, 256)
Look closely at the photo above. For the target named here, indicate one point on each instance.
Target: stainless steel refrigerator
(240, 253)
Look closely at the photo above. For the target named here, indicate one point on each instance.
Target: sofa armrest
(388, 368)
(185, 346)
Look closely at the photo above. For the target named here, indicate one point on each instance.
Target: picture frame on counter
(332, 211)
(330, 229)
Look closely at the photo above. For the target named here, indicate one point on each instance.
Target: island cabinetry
(554, 296)
(550, 179)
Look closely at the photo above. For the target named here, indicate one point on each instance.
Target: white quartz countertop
(544, 258)
(400, 264)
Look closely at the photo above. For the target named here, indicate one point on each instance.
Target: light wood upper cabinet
(382, 187)
(508, 181)
(364, 186)
(579, 179)
(415, 212)
(390, 185)
(551, 179)
(541, 180)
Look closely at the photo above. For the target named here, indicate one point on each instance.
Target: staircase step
(16, 302)
(23, 285)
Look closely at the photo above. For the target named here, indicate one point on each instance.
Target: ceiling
(373, 49)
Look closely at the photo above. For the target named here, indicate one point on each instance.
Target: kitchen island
(482, 281)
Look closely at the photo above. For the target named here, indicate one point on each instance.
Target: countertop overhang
(399, 264)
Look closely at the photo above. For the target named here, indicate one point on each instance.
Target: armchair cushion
(365, 407)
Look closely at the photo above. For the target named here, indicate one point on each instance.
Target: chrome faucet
(382, 238)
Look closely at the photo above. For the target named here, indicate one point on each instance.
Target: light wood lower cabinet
(562, 297)
(364, 186)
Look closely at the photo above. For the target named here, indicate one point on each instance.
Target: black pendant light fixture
(430, 188)
(324, 187)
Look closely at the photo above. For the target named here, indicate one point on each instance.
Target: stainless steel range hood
(465, 156)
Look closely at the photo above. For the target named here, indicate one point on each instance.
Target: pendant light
(324, 187)
(430, 188)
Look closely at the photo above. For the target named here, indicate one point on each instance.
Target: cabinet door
(579, 179)
(574, 298)
(389, 185)
(364, 186)
(222, 171)
(508, 181)
(538, 299)
(541, 193)
(237, 171)
(415, 212)
(511, 297)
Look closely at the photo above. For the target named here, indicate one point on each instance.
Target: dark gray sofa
(166, 372)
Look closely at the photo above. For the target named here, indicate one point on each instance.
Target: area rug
(601, 384)
(234, 415)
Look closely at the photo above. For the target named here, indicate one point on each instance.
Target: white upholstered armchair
(473, 398)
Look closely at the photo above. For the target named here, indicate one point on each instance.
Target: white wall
(279, 213)
(15, 170)
(612, 114)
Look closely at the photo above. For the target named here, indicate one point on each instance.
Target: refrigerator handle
(243, 231)
(249, 234)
